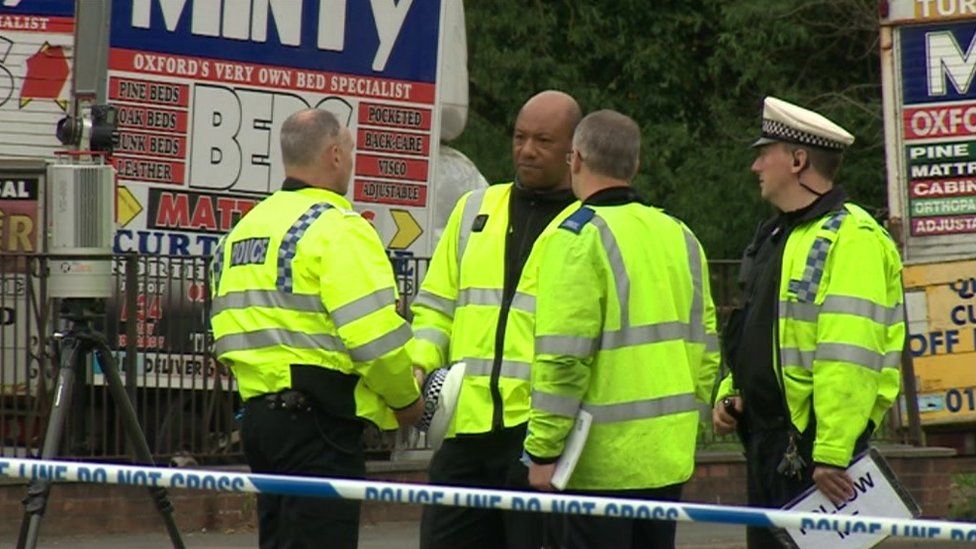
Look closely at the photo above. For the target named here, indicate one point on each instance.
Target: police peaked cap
(788, 123)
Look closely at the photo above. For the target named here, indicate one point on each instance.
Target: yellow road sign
(408, 230)
(942, 338)
(129, 206)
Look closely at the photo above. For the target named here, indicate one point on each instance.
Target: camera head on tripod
(82, 310)
(96, 130)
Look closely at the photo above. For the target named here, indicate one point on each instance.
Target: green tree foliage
(693, 74)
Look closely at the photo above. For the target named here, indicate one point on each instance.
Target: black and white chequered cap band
(779, 131)
(432, 393)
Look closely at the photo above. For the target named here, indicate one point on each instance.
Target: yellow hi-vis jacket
(456, 312)
(303, 279)
(840, 329)
(626, 330)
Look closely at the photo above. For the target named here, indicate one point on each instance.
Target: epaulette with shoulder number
(577, 220)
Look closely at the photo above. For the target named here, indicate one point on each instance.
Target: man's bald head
(543, 136)
(557, 104)
(317, 149)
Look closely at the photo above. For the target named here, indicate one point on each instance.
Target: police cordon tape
(394, 492)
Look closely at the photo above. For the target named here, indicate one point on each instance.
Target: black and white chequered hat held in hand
(440, 390)
(432, 392)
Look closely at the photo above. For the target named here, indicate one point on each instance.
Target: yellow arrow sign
(408, 230)
(129, 206)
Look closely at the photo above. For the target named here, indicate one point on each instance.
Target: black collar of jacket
(613, 196)
(833, 200)
(548, 195)
(294, 184)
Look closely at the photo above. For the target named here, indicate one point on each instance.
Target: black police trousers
(311, 443)
(490, 460)
(768, 488)
(583, 532)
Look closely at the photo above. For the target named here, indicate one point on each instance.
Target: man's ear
(333, 155)
(800, 160)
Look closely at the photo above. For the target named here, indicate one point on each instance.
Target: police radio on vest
(250, 20)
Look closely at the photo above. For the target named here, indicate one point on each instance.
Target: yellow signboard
(128, 207)
(944, 9)
(941, 303)
(917, 11)
(407, 230)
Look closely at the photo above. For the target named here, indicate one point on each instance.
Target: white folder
(571, 453)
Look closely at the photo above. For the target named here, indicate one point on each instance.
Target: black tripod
(76, 344)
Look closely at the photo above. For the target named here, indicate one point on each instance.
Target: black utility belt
(291, 400)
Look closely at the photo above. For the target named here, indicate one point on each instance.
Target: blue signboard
(54, 8)
(938, 62)
(388, 39)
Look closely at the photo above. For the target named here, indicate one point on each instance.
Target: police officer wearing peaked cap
(304, 315)
(814, 351)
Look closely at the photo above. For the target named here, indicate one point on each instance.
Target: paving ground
(403, 535)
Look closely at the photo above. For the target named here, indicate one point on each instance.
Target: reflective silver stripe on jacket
(382, 345)
(471, 208)
(492, 297)
(435, 336)
(791, 356)
(696, 318)
(642, 409)
(620, 278)
(364, 306)
(272, 337)
(480, 296)
(841, 352)
(510, 368)
(630, 336)
(855, 354)
(435, 302)
(555, 404)
(837, 304)
(524, 302)
(892, 359)
(711, 343)
(647, 333)
(305, 303)
(574, 346)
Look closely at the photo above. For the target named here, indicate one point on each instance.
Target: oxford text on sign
(942, 121)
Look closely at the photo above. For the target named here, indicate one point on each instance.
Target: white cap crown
(789, 123)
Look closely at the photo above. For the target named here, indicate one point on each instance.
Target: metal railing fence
(156, 324)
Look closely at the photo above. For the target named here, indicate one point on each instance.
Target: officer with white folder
(624, 338)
